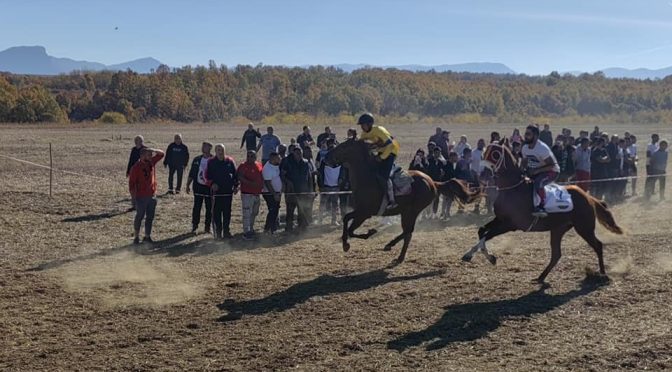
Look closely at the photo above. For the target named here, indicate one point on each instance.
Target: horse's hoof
(346, 247)
(467, 258)
(387, 248)
(541, 281)
(492, 259)
(396, 262)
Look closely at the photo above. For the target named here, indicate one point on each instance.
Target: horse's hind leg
(588, 234)
(408, 226)
(556, 252)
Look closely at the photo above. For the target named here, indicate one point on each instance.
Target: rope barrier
(316, 193)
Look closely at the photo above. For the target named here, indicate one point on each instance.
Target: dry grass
(76, 295)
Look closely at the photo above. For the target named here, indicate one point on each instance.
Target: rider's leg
(385, 169)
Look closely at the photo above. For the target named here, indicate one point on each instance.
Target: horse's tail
(458, 190)
(605, 217)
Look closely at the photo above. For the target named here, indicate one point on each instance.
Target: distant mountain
(476, 67)
(624, 73)
(34, 60)
(640, 73)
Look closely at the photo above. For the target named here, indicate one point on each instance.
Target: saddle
(402, 182)
(402, 185)
(558, 200)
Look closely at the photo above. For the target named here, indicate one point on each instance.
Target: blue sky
(529, 36)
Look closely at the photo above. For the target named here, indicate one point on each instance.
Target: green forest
(272, 94)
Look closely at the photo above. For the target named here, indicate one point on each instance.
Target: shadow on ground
(95, 217)
(321, 286)
(207, 246)
(472, 321)
(141, 249)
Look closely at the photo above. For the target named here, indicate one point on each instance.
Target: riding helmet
(365, 119)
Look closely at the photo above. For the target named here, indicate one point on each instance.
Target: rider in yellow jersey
(387, 148)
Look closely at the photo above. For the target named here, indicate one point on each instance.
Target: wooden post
(51, 170)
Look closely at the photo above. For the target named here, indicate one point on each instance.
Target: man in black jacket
(328, 134)
(250, 138)
(177, 158)
(297, 178)
(201, 188)
(223, 180)
(135, 156)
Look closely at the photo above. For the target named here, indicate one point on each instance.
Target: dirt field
(75, 294)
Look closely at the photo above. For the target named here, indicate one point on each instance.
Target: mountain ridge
(34, 60)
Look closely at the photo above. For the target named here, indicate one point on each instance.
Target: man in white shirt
(461, 146)
(650, 150)
(477, 156)
(541, 166)
(329, 182)
(272, 191)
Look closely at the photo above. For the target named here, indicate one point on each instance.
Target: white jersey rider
(541, 165)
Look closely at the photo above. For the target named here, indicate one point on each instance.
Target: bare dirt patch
(74, 294)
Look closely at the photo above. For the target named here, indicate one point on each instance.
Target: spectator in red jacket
(133, 158)
(142, 186)
(251, 185)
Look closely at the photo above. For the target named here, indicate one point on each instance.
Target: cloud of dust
(129, 279)
(623, 266)
(664, 262)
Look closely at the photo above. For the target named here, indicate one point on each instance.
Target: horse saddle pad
(558, 200)
(402, 181)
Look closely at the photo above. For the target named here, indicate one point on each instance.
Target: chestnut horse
(368, 196)
(513, 211)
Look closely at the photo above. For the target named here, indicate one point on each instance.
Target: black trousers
(201, 194)
(221, 211)
(301, 204)
(273, 212)
(171, 172)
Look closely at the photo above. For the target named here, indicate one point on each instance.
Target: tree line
(282, 94)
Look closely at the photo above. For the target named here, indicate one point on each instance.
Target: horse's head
(349, 151)
(499, 158)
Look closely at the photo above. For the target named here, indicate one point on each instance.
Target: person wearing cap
(387, 149)
(305, 139)
(142, 186)
(251, 187)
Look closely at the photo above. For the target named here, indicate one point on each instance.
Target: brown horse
(513, 211)
(368, 195)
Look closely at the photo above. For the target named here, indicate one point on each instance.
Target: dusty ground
(76, 295)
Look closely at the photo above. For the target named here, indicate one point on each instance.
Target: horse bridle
(498, 165)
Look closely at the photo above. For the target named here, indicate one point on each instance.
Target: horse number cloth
(558, 200)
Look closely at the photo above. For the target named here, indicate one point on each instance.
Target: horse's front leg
(344, 238)
(490, 230)
(357, 221)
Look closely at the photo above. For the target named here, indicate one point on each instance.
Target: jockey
(540, 164)
(387, 148)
